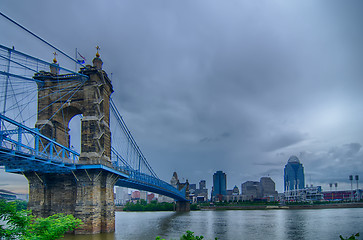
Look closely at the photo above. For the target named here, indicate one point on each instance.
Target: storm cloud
(236, 86)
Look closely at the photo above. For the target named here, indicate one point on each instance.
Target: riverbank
(295, 206)
(263, 207)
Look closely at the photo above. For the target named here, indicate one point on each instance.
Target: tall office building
(201, 193)
(219, 184)
(192, 190)
(192, 186)
(121, 195)
(250, 190)
(202, 184)
(264, 189)
(267, 188)
(294, 175)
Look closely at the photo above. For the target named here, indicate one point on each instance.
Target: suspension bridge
(38, 101)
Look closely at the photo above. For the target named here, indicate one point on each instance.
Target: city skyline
(205, 86)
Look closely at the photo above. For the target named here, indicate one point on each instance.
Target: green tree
(353, 237)
(16, 221)
(190, 236)
(23, 225)
(153, 206)
(194, 207)
(20, 205)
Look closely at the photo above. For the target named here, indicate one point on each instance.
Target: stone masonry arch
(86, 192)
(58, 103)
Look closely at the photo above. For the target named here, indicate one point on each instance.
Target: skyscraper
(267, 188)
(202, 184)
(202, 192)
(250, 190)
(219, 184)
(293, 174)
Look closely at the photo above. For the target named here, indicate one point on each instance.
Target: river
(280, 224)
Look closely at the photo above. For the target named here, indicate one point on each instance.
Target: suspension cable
(41, 39)
(130, 137)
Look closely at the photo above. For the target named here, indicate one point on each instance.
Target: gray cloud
(215, 139)
(237, 86)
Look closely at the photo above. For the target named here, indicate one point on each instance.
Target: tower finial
(98, 54)
(55, 58)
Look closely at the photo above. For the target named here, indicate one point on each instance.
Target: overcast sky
(207, 85)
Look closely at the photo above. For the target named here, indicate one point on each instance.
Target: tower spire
(55, 57)
(98, 54)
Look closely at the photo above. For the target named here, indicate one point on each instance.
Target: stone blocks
(87, 195)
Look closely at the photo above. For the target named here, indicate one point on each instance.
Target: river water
(236, 224)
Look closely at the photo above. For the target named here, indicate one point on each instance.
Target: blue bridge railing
(27, 142)
(143, 181)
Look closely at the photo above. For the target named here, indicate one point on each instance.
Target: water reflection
(146, 225)
(171, 223)
(254, 224)
(219, 223)
(295, 224)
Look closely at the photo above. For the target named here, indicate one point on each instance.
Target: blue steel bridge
(22, 147)
(30, 91)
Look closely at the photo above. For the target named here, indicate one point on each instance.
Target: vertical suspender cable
(7, 82)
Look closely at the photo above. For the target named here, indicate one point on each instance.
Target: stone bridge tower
(86, 193)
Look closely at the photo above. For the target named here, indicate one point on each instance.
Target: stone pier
(86, 193)
(182, 206)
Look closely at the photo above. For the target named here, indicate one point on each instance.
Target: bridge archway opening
(75, 132)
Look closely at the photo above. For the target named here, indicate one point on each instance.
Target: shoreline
(272, 207)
